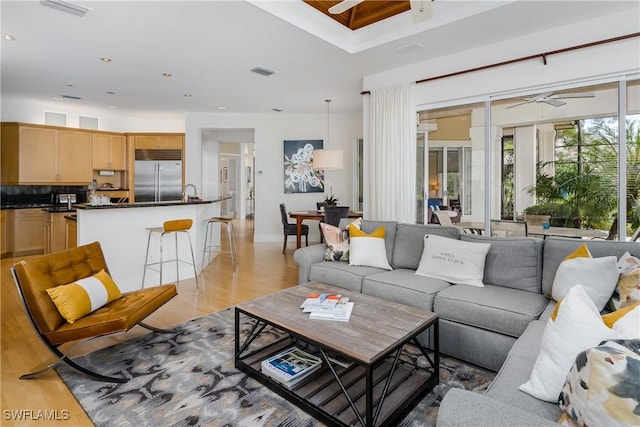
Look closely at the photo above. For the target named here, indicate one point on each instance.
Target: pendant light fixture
(326, 159)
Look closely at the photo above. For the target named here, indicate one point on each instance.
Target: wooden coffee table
(385, 379)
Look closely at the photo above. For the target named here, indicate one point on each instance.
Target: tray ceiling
(363, 14)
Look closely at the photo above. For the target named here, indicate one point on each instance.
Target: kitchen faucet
(184, 191)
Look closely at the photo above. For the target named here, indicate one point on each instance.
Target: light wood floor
(263, 269)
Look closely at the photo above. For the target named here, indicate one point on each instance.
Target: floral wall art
(299, 175)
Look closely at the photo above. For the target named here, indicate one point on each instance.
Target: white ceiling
(209, 47)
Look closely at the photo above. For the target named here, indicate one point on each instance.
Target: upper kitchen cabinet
(171, 141)
(109, 152)
(33, 154)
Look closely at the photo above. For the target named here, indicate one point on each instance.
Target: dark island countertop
(149, 204)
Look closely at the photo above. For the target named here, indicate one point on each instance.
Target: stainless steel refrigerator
(158, 179)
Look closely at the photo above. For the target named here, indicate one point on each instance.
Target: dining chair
(443, 217)
(333, 214)
(289, 229)
(504, 228)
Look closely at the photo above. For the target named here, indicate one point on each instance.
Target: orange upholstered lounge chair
(34, 276)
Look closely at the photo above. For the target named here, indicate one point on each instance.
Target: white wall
(15, 109)
(271, 129)
(599, 61)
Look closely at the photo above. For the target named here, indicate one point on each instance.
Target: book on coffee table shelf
(318, 300)
(291, 366)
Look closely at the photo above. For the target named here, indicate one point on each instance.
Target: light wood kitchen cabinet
(109, 152)
(37, 155)
(55, 232)
(74, 157)
(158, 141)
(33, 154)
(6, 231)
(71, 233)
(28, 231)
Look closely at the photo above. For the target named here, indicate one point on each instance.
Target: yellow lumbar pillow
(80, 298)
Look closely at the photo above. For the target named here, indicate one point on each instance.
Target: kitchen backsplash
(11, 195)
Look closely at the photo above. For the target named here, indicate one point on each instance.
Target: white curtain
(390, 155)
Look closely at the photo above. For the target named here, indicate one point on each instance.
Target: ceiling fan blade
(554, 102)
(575, 95)
(520, 103)
(343, 6)
(421, 10)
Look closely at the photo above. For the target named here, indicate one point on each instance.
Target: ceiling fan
(420, 9)
(553, 99)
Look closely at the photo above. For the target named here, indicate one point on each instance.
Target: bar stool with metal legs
(232, 240)
(170, 227)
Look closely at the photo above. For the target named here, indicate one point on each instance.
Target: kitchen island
(122, 232)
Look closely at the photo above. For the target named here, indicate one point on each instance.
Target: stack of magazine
(324, 306)
(291, 366)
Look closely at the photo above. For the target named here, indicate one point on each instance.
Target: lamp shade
(328, 159)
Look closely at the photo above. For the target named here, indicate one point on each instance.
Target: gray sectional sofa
(498, 326)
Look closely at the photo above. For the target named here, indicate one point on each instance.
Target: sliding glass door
(560, 152)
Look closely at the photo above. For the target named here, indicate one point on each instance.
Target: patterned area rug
(187, 378)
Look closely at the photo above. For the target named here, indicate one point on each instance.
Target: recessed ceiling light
(221, 107)
(70, 85)
(277, 110)
(57, 98)
(105, 59)
(7, 37)
(110, 92)
(187, 95)
(167, 74)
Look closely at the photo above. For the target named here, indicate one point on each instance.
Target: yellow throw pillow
(80, 298)
(367, 249)
(611, 318)
(581, 252)
(598, 276)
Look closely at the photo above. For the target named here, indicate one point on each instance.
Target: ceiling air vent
(71, 97)
(65, 6)
(262, 71)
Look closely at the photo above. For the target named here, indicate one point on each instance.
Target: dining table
(314, 215)
(539, 231)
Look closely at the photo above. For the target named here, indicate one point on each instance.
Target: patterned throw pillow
(627, 291)
(603, 385)
(80, 298)
(337, 240)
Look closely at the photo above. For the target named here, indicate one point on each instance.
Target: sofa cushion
(409, 242)
(389, 233)
(403, 286)
(516, 370)
(511, 262)
(557, 248)
(495, 308)
(341, 274)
